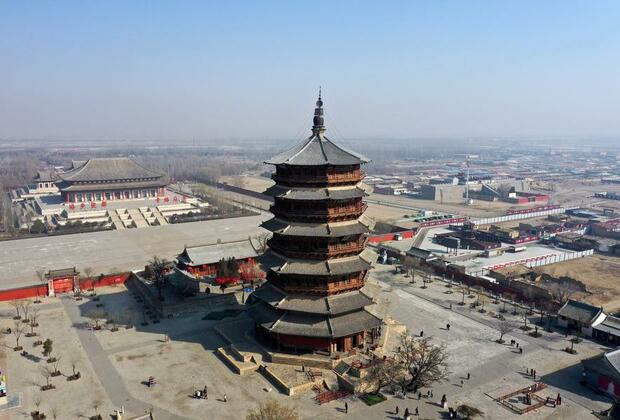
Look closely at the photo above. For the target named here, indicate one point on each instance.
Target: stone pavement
(110, 379)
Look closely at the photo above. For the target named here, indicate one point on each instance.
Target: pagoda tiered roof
(334, 193)
(362, 225)
(331, 267)
(317, 326)
(323, 305)
(318, 150)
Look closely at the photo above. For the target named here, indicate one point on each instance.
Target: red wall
(31, 291)
(107, 280)
(23, 292)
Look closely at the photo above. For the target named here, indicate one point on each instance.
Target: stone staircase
(161, 220)
(116, 221)
(137, 218)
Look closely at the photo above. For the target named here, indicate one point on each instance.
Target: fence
(522, 214)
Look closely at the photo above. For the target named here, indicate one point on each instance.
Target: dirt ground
(581, 193)
(600, 274)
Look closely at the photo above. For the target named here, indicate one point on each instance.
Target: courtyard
(115, 366)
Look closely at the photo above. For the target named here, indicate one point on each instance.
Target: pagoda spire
(318, 121)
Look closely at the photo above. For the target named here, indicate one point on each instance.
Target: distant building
(45, 183)
(110, 179)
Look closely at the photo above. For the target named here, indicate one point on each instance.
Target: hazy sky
(232, 69)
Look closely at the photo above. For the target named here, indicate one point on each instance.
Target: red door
(63, 285)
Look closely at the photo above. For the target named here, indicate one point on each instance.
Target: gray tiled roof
(611, 325)
(315, 151)
(62, 272)
(304, 325)
(353, 322)
(46, 176)
(212, 253)
(109, 169)
(579, 311)
(336, 193)
(325, 305)
(607, 364)
(330, 230)
(338, 266)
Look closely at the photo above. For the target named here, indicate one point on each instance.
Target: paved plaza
(115, 365)
(115, 250)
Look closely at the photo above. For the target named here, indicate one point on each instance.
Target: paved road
(127, 249)
(110, 379)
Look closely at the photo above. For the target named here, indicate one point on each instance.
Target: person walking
(417, 412)
(396, 410)
(448, 327)
(225, 398)
(346, 408)
(421, 333)
(462, 383)
(406, 412)
(419, 395)
(468, 376)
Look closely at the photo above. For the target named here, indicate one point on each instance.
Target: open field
(581, 193)
(600, 274)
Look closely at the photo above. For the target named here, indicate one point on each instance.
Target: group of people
(407, 413)
(514, 342)
(202, 394)
(531, 373)
(554, 402)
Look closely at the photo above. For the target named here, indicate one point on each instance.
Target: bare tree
(156, 270)
(383, 372)
(272, 410)
(411, 265)
(96, 316)
(463, 291)
(46, 372)
(17, 305)
(56, 364)
(524, 316)
(562, 291)
(482, 300)
(18, 331)
(42, 281)
(88, 272)
(504, 327)
(55, 412)
(427, 363)
(26, 304)
(36, 401)
(261, 241)
(74, 365)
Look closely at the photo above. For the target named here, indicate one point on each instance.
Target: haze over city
(203, 71)
(309, 210)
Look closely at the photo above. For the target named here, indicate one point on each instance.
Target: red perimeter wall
(31, 291)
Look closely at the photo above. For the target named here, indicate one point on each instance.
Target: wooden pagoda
(315, 299)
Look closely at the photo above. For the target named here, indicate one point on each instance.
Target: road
(114, 250)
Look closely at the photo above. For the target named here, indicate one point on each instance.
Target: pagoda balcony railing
(334, 178)
(317, 253)
(354, 210)
(324, 289)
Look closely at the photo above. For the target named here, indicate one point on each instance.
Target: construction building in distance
(315, 297)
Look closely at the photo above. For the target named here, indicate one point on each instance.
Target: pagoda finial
(318, 120)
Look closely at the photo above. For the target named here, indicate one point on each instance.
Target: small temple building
(314, 298)
(109, 179)
(203, 260)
